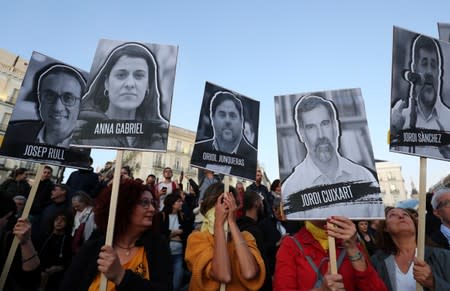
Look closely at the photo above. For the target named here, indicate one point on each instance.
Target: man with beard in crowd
(423, 108)
(317, 126)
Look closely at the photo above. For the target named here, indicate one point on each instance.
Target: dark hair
(51, 69)
(412, 212)
(63, 187)
(18, 171)
(170, 200)
(48, 168)
(149, 109)
(151, 175)
(356, 222)
(309, 103)
(212, 193)
(128, 197)
(83, 197)
(221, 97)
(383, 239)
(250, 197)
(7, 205)
(425, 43)
(67, 216)
(127, 169)
(275, 184)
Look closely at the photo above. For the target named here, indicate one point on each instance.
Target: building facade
(179, 148)
(12, 72)
(391, 182)
(178, 156)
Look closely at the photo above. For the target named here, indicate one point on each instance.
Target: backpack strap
(316, 269)
(311, 263)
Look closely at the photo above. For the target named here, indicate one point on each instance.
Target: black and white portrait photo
(420, 99)
(325, 156)
(129, 96)
(227, 133)
(46, 111)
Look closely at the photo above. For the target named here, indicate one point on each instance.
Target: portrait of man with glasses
(58, 89)
(42, 122)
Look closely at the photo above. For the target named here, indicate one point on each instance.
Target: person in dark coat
(60, 203)
(262, 190)
(441, 208)
(24, 273)
(55, 252)
(85, 180)
(262, 230)
(16, 184)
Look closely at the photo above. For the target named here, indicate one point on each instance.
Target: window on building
(158, 160)
(178, 165)
(13, 98)
(5, 121)
(394, 189)
(178, 146)
(389, 176)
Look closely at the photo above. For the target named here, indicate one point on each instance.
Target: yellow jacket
(199, 254)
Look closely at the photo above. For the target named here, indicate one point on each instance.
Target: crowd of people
(178, 235)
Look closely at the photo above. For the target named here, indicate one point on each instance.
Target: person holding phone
(166, 187)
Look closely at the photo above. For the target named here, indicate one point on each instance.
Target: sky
(257, 48)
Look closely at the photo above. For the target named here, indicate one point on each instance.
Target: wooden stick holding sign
(421, 218)
(25, 213)
(112, 211)
(332, 250)
(226, 189)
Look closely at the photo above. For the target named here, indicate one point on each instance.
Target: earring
(105, 92)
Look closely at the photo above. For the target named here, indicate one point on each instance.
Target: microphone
(412, 77)
(417, 78)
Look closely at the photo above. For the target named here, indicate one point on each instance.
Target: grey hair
(437, 195)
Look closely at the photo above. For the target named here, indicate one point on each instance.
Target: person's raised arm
(220, 265)
(345, 229)
(30, 258)
(247, 262)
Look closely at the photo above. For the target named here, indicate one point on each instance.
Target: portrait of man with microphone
(423, 109)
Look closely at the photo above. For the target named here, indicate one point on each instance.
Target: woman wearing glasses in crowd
(139, 259)
(396, 262)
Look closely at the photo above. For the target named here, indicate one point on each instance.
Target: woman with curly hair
(138, 259)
